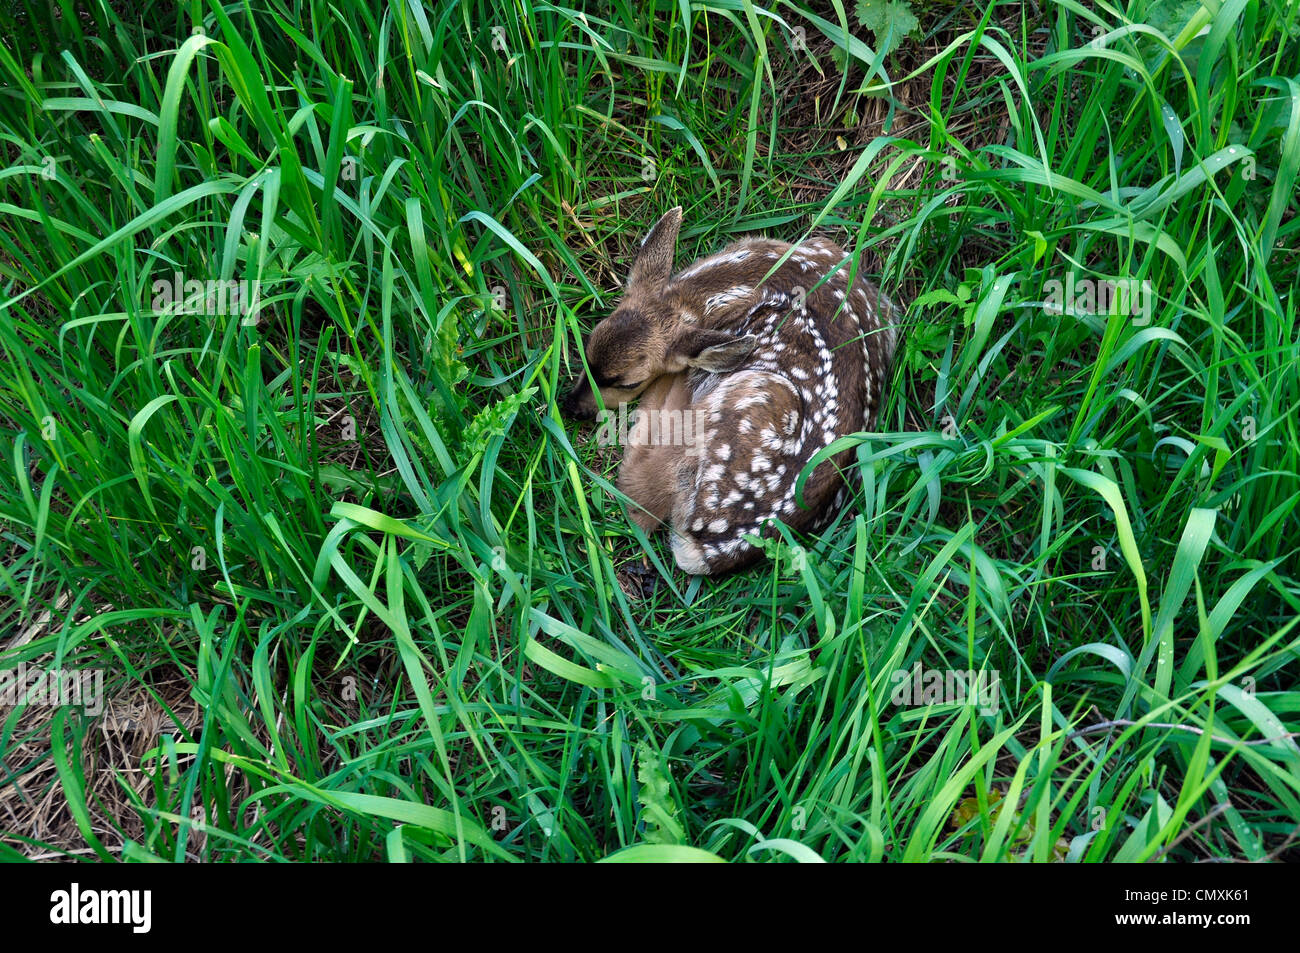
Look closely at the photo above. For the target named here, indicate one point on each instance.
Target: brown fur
(770, 369)
(648, 473)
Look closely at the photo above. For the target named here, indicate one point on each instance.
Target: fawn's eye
(633, 386)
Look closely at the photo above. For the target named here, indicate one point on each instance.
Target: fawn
(761, 370)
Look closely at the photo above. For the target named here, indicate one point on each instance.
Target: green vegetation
(360, 593)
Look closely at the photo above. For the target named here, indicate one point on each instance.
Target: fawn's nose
(576, 403)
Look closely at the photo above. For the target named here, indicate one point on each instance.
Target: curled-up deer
(742, 377)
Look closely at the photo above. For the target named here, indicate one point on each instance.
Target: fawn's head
(649, 334)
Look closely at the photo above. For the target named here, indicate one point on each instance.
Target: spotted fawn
(742, 377)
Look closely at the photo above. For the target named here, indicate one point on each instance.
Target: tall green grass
(357, 525)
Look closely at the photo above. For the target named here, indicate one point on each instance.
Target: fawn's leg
(650, 461)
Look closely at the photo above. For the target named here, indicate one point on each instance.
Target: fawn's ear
(715, 351)
(654, 262)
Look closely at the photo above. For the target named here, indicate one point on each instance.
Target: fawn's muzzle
(579, 402)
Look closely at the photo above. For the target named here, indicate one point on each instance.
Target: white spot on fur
(724, 298)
